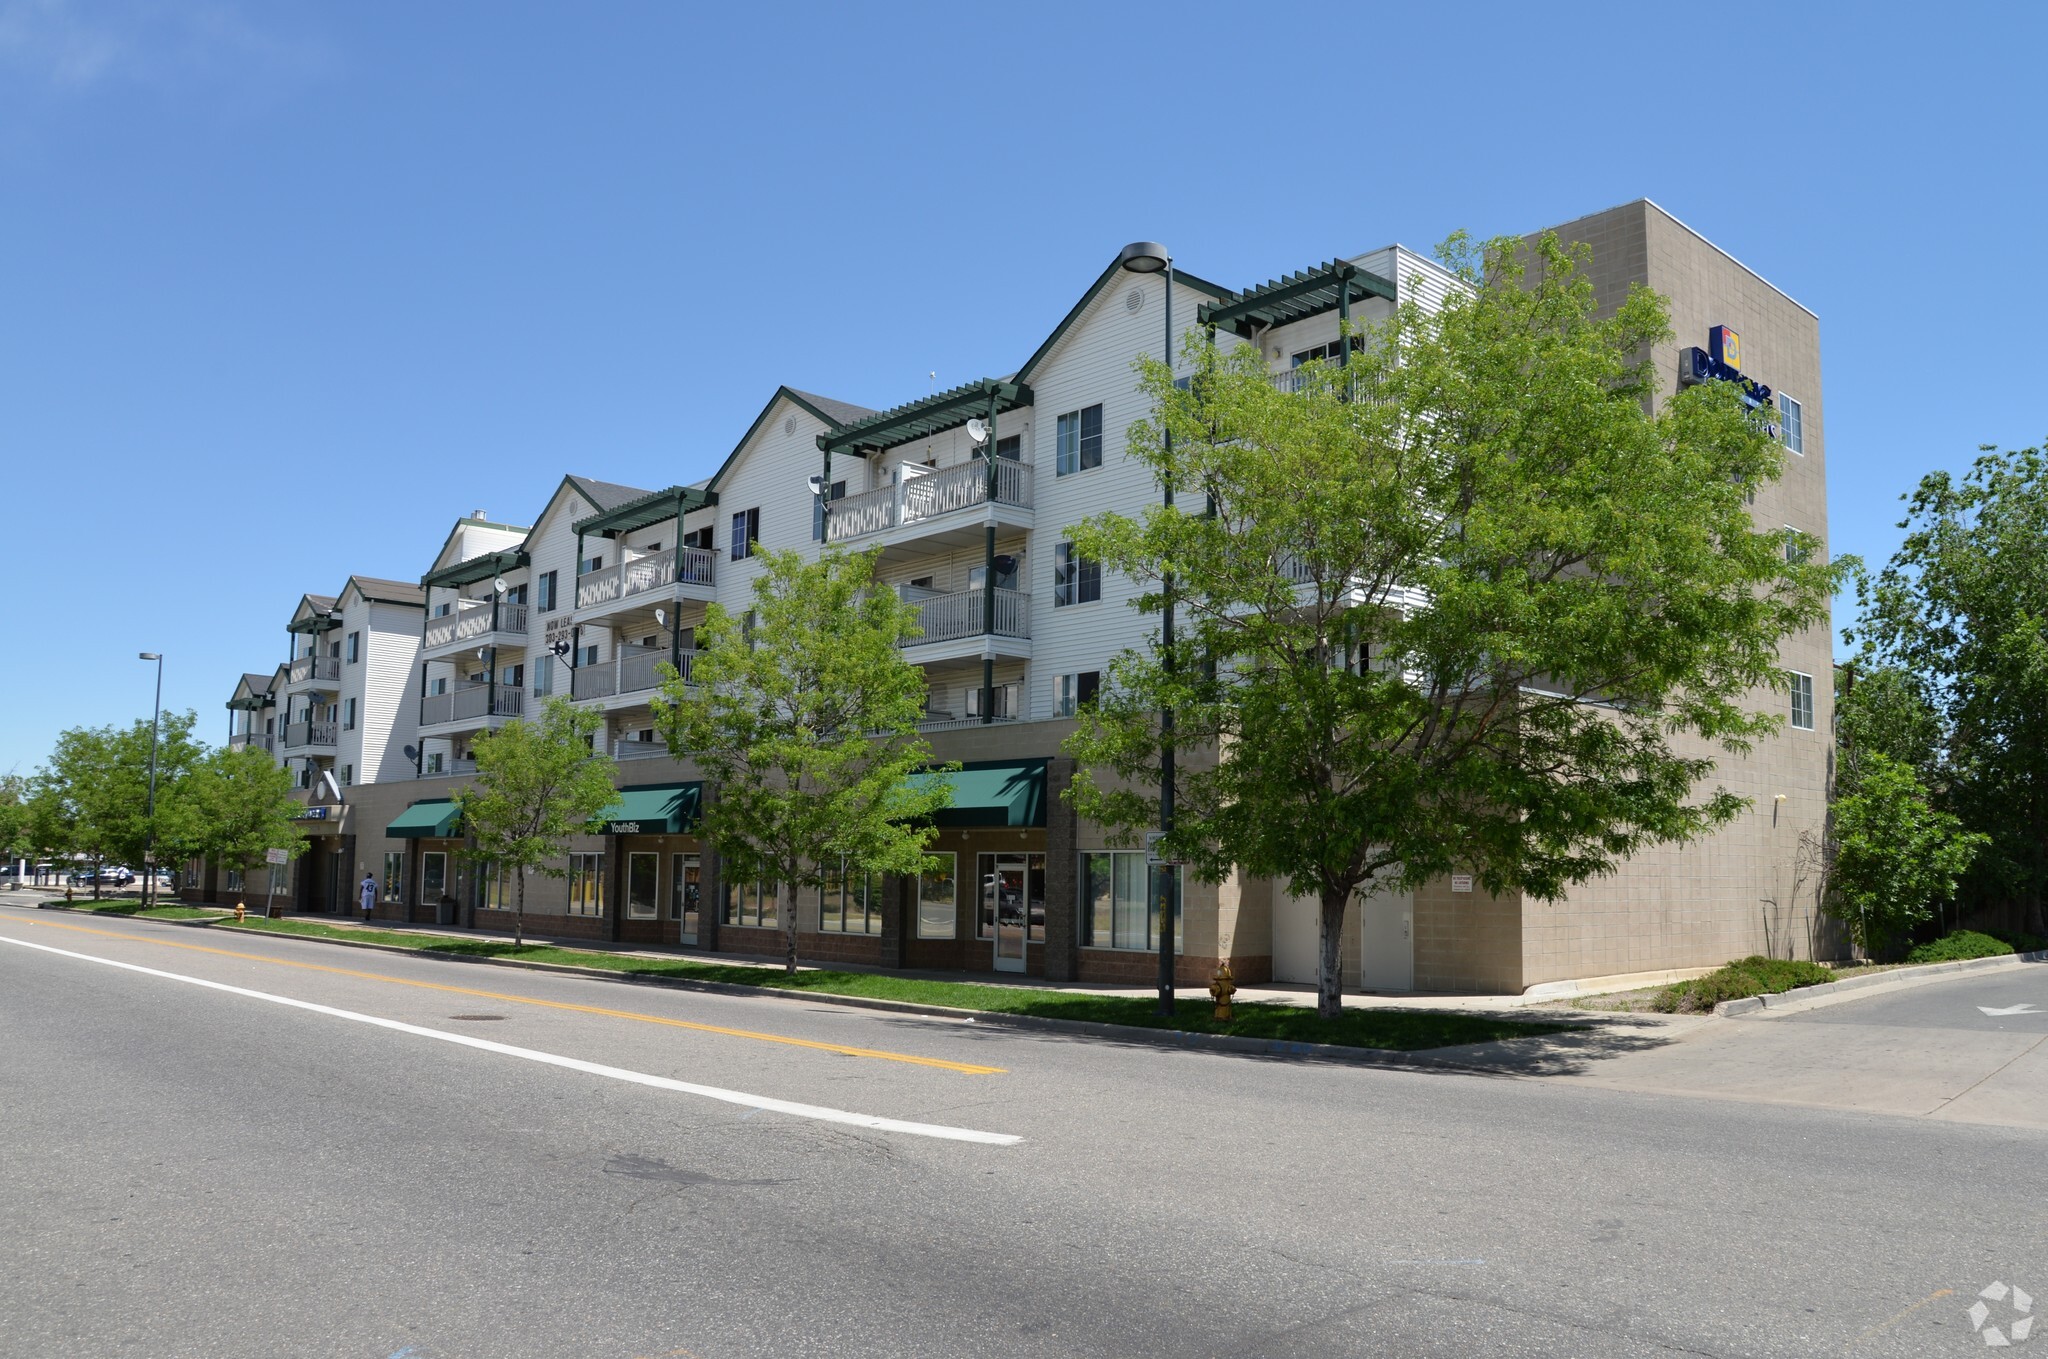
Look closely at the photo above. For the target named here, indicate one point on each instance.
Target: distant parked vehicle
(110, 875)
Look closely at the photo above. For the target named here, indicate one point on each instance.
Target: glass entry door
(1012, 911)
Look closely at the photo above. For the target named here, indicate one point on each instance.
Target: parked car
(109, 875)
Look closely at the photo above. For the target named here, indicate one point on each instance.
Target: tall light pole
(155, 720)
(1150, 257)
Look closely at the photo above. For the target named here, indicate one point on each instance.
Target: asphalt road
(190, 1170)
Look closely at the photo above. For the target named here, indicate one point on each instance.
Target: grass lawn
(117, 907)
(1390, 1030)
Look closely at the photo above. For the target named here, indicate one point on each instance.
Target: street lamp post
(155, 721)
(1150, 257)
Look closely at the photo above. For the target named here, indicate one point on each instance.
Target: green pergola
(1328, 287)
(987, 398)
(473, 569)
(673, 503)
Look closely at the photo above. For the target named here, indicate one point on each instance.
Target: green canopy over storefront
(433, 819)
(993, 793)
(651, 809)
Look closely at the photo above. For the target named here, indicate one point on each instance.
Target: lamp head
(149, 655)
(1144, 257)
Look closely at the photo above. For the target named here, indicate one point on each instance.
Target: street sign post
(276, 858)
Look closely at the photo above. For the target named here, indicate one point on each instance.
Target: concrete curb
(1162, 1038)
(1802, 998)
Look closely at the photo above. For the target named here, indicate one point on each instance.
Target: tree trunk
(1330, 954)
(96, 867)
(789, 926)
(519, 913)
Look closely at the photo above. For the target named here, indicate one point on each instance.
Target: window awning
(993, 793)
(433, 819)
(651, 809)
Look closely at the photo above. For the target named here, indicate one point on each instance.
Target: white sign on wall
(1461, 882)
(276, 856)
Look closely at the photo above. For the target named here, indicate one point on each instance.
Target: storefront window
(433, 877)
(685, 890)
(643, 891)
(849, 905)
(938, 890)
(586, 884)
(751, 904)
(394, 875)
(1120, 896)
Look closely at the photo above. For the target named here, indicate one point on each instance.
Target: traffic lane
(2007, 1000)
(1435, 1206)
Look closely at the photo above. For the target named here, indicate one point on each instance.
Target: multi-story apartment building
(968, 494)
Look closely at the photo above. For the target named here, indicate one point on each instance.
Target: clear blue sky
(284, 288)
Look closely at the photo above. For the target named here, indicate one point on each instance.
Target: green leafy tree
(15, 816)
(1962, 607)
(1885, 711)
(1479, 601)
(98, 778)
(537, 784)
(237, 806)
(805, 717)
(1897, 856)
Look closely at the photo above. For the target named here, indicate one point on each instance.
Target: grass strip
(136, 908)
(1384, 1030)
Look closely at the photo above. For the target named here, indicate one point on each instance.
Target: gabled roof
(833, 413)
(472, 521)
(254, 692)
(480, 567)
(605, 495)
(313, 614)
(652, 508)
(377, 590)
(1180, 277)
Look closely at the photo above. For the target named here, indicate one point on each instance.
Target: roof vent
(789, 424)
(1134, 300)
(479, 514)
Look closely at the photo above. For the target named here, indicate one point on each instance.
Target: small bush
(1752, 976)
(1961, 945)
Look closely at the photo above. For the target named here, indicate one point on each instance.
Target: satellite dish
(660, 618)
(977, 430)
(483, 653)
(499, 585)
(560, 649)
(816, 485)
(412, 752)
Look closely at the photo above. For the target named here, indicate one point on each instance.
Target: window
(751, 904)
(1796, 547)
(586, 884)
(543, 675)
(441, 609)
(547, 592)
(513, 676)
(394, 875)
(847, 905)
(433, 762)
(355, 647)
(1120, 895)
(1802, 701)
(643, 888)
(348, 714)
(699, 538)
(1006, 699)
(348, 775)
(588, 655)
(588, 565)
(433, 877)
(685, 890)
(1011, 448)
(494, 887)
(234, 879)
(1792, 424)
(278, 875)
(1078, 443)
(1333, 352)
(333, 650)
(515, 594)
(938, 892)
(1075, 579)
(746, 531)
(1071, 693)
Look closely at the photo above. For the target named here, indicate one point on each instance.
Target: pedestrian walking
(369, 894)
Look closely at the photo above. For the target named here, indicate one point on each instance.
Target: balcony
(633, 748)
(921, 496)
(675, 573)
(951, 619)
(475, 621)
(631, 670)
(314, 670)
(436, 766)
(250, 740)
(309, 735)
(476, 703)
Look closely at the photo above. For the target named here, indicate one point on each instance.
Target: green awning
(993, 793)
(433, 819)
(651, 809)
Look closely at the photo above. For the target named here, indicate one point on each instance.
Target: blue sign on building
(1721, 361)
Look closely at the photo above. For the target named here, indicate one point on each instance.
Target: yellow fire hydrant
(1223, 986)
(238, 913)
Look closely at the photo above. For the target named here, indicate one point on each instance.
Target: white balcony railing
(471, 619)
(323, 668)
(919, 495)
(250, 740)
(631, 670)
(948, 618)
(655, 571)
(471, 701)
(302, 735)
(633, 748)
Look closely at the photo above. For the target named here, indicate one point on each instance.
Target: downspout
(988, 578)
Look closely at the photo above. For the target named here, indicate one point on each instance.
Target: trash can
(444, 914)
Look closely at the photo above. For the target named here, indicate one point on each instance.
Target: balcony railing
(300, 735)
(632, 670)
(633, 748)
(441, 766)
(470, 701)
(474, 618)
(250, 740)
(314, 668)
(918, 496)
(948, 618)
(655, 571)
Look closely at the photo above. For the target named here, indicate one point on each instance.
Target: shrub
(1752, 976)
(1960, 945)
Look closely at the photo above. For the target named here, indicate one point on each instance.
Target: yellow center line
(964, 1068)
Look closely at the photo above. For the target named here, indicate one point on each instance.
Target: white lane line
(756, 1102)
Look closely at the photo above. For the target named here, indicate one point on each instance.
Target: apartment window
(1796, 547)
(334, 650)
(543, 676)
(234, 879)
(515, 594)
(513, 676)
(1075, 579)
(592, 564)
(547, 592)
(348, 775)
(1802, 701)
(495, 887)
(1078, 441)
(1333, 352)
(355, 647)
(643, 886)
(1792, 424)
(1005, 699)
(588, 655)
(1072, 693)
(433, 877)
(441, 610)
(685, 889)
(1120, 896)
(849, 904)
(348, 714)
(751, 904)
(938, 897)
(1011, 448)
(586, 884)
(394, 875)
(746, 531)
(699, 538)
